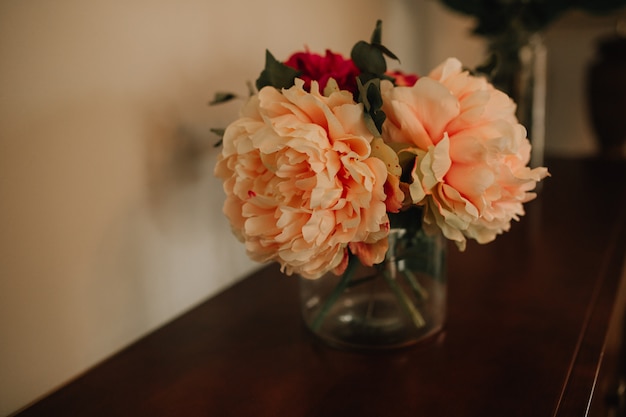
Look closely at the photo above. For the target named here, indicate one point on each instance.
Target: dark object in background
(606, 93)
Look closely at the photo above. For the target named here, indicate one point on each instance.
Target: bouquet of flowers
(328, 152)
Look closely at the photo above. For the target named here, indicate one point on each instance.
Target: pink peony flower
(470, 170)
(300, 182)
(315, 67)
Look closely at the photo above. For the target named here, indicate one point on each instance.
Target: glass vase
(390, 305)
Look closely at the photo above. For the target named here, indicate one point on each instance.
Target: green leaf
(386, 51)
(221, 97)
(374, 96)
(371, 125)
(368, 58)
(220, 133)
(276, 74)
(377, 41)
(251, 90)
(377, 34)
(379, 117)
(362, 87)
(370, 96)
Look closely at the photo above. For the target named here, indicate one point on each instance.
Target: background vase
(606, 95)
(395, 304)
(521, 72)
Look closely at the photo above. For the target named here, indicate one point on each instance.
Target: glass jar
(390, 305)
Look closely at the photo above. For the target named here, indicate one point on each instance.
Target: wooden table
(534, 325)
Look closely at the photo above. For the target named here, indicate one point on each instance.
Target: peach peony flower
(471, 154)
(301, 184)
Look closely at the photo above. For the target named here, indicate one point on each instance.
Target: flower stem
(337, 291)
(405, 301)
(359, 281)
(419, 291)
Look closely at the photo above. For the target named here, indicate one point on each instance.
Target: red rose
(402, 79)
(321, 68)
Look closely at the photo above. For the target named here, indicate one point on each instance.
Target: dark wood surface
(528, 319)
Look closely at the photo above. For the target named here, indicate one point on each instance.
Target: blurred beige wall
(110, 217)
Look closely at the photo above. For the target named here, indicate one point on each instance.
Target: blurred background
(110, 217)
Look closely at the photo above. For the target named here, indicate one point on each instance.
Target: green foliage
(220, 133)
(369, 58)
(370, 96)
(222, 97)
(495, 17)
(276, 74)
